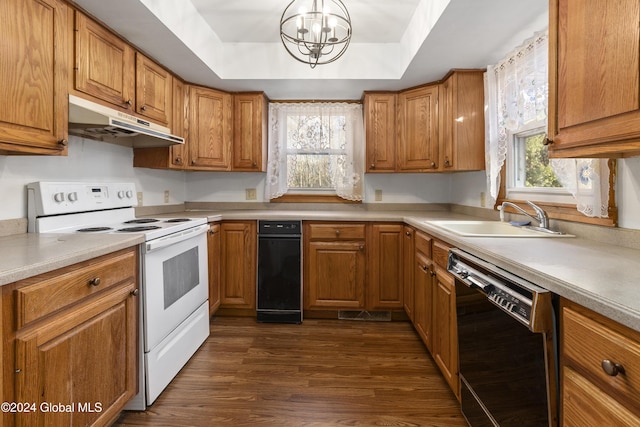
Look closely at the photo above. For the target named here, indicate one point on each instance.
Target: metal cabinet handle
(433, 273)
(63, 142)
(337, 233)
(361, 247)
(373, 165)
(612, 368)
(447, 162)
(143, 108)
(408, 233)
(254, 164)
(547, 141)
(433, 165)
(178, 161)
(425, 268)
(193, 162)
(128, 103)
(95, 281)
(212, 232)
(135, 292)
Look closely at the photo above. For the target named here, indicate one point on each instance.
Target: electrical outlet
(250, 194)
(378, 195)
(483, 199)
(166, 196)
(139, 198)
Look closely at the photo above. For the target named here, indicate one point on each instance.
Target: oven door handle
(174, 238)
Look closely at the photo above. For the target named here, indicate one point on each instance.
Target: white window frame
(536, 194)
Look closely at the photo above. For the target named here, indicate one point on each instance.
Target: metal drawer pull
(135, 292)
(95, 281)
(337, 233)
(612, 368)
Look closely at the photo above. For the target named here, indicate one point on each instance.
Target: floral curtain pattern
(516, 90)
(319, 145)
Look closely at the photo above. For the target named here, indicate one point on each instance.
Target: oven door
(175, 281)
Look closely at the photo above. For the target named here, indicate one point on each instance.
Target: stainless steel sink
(493, 229)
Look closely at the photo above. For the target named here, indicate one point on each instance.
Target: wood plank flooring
(320, 373)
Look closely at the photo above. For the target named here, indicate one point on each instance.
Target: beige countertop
(600, 276)
(26, 255)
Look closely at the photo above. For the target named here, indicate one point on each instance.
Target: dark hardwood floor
(320, 373)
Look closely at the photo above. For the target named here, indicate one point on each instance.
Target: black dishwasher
(279, 294)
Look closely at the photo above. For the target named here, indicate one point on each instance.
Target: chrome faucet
(541, 215)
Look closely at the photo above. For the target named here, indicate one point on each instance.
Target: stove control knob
(121, 194)
(129, 194)
(58, 197)
(73, 197)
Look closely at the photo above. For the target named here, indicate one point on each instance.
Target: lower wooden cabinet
(445, 337)
(334, 266)
(423, 302)
(213, 252)
(385, 286)
(408, 254)
(238, 259)
(73, 343)
(600, 370)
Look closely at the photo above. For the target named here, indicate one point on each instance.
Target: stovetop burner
(93, 229)
(178, 220)
(141, 221)
(139, 228)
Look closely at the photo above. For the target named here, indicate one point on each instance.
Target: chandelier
(315, 31)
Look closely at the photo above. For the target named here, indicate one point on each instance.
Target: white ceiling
(235, 45)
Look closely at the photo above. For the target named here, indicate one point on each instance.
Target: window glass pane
(313, 171)
(538, 171)
(316, 133)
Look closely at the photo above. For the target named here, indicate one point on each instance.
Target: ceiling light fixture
(318, 34)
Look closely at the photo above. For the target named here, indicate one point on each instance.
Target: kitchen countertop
(27, 254)
(599, 276)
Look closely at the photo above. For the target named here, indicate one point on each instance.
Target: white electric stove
(173, 272)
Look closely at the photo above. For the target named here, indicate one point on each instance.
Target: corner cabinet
(418, 129)
(334, 266)
(594, 78)
(238, 259)
(599, 370)
(380, 131)
(385, 268)
(33, 82)
(461, 127)
(210, 129)
(73, 329)
(250, 111)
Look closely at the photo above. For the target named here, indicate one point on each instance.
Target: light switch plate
(378, 195)
(139, 198)
(166, 196)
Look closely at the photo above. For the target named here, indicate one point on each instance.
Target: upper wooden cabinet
(34, 75)
(250, 112)
(461, 127)
(209, 129)
(104, 64)
(154, 90)
(594, 78)
(418, 129)
(110, 70)
(380, 131)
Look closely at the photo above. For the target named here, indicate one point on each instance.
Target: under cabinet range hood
(90, 120)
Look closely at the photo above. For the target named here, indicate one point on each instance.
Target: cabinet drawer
(589, 339)
(337, 231)
(423, 244)
(440, 253)
(72, 284)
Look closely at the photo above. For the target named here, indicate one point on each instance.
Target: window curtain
(347, 170)
(516, 93)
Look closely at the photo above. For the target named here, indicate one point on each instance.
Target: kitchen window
(315, 149)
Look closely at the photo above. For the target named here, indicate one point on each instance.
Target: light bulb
(333, 22)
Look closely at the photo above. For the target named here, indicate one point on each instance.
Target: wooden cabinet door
(334, 275)
(385, 285)
(105, 64)
(210, 129)
(418, 131)
(250, 132)
(238, 248)
(594, 78)
(86, 357)
(34, 110)
(380, 131)
(213, 252)
(423, 304)
(408, 262)
(461, 127)
(445, 337)
(154, 91)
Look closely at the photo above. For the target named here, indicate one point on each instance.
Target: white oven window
(180, 275)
